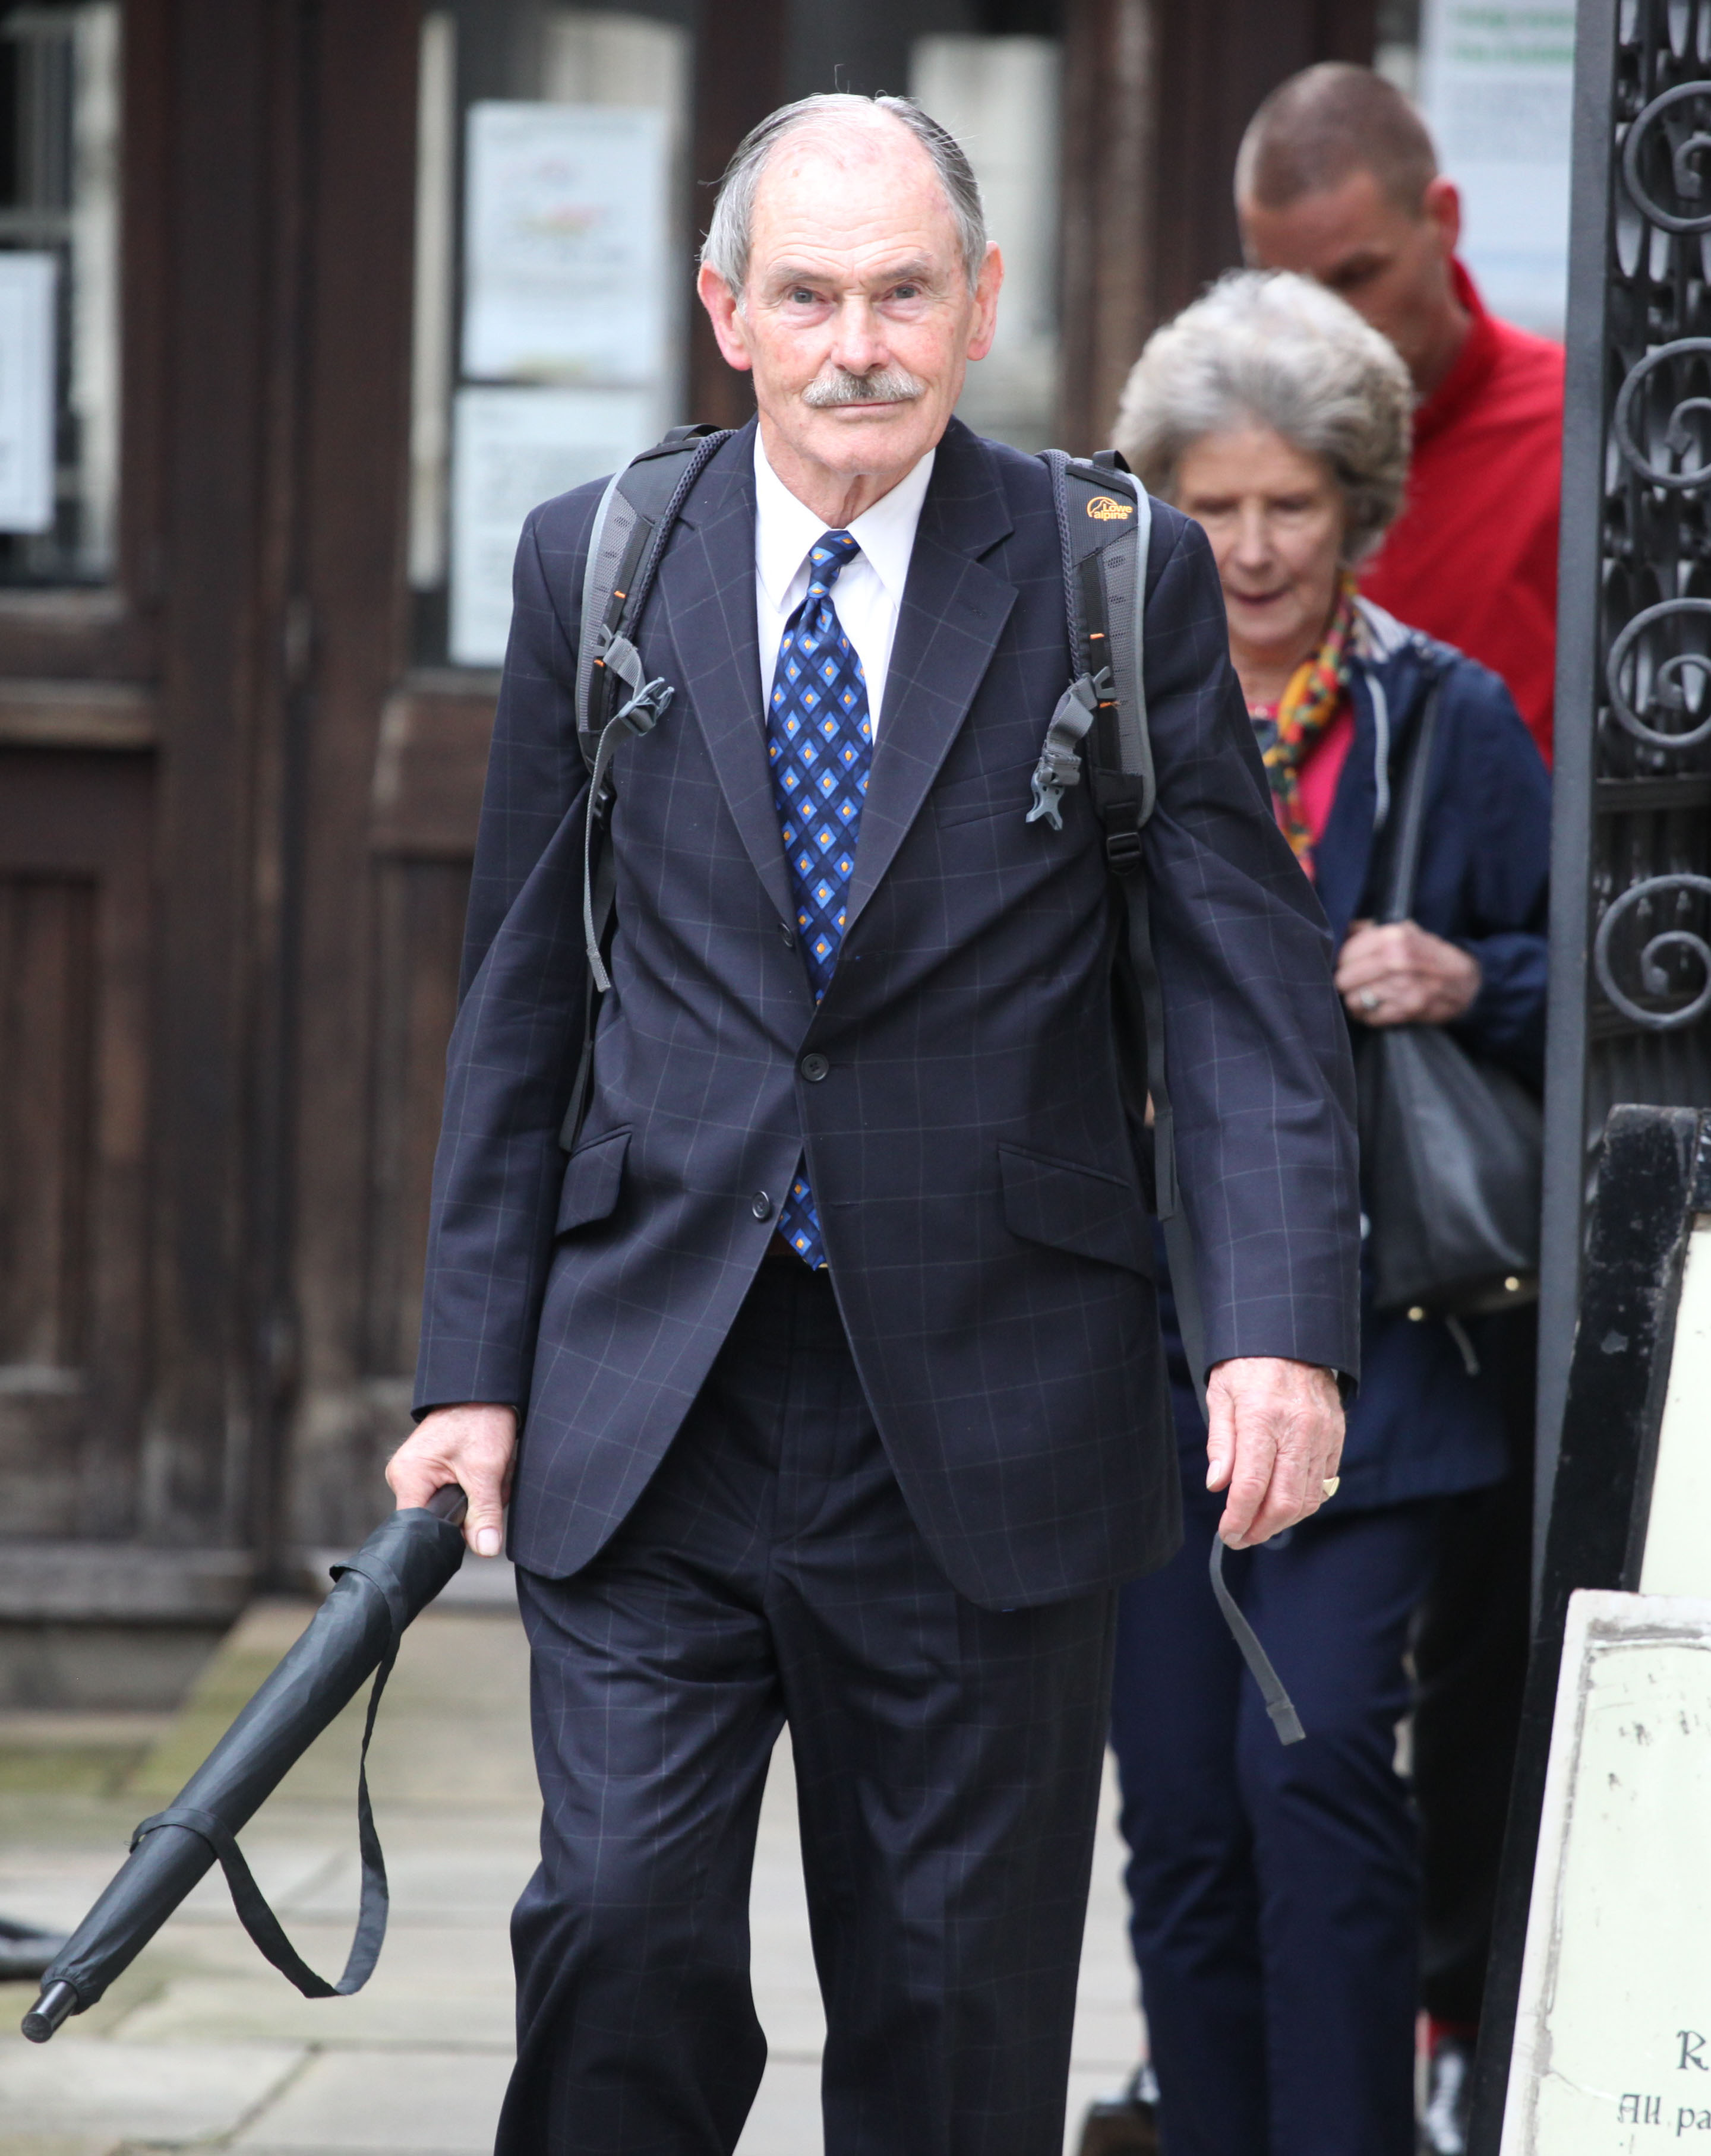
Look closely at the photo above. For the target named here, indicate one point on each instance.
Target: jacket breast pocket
(1070, 1207)
(992, 793)
(594, 1176)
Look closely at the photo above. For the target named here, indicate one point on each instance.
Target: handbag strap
(1410, 822)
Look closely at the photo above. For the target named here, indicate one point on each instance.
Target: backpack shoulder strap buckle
(1104, 521)
(1124, 845)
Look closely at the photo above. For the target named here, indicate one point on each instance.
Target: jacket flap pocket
(592, 1177)
(1072, 1207)
(988, 794)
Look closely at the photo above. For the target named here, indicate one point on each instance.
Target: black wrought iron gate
(1631, 925)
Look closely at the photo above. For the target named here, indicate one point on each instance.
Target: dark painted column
(739, 78)
(345, 654)
(1156, 96)
(1109, 236)
(232, 99)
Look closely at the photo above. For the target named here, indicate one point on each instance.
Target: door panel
(74, 1018)
(420, 906)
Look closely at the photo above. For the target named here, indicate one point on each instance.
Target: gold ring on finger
(1331, 1485)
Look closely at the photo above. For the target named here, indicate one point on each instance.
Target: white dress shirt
(870, 588)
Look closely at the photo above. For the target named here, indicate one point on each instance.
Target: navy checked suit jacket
(957, 1092)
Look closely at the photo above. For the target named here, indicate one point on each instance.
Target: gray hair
(726, 248)
(1270, 348)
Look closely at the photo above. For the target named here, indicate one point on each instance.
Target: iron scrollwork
(1660, 946)
(1649, 814)
(1671, 690)
(1667, 123)
(1677, 435)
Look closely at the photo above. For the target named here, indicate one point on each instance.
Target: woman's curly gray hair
(1270, 348)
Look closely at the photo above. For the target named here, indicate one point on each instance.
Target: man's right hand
(473, 1446)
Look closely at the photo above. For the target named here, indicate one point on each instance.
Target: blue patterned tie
(819, 744)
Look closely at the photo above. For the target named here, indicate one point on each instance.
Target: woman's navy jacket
(1421, 1425)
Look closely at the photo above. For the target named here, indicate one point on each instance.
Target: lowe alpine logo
(1109, 511)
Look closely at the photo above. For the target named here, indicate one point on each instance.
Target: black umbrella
(396, 1573)
(25, 1950)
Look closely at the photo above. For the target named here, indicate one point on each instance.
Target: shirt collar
(1470, 367)
(785, 529)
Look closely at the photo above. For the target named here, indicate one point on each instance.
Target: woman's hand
(1401, 975)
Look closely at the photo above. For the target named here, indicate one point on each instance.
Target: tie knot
(832, 551)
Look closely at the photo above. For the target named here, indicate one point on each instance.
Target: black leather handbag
(1452, 1145)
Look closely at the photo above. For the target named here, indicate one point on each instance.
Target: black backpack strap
(630, 527)
(613, 698)
(1104, 524)
(1104, 521)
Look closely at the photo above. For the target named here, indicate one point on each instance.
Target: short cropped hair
(1327, 123)
(726, 248)
(1273, 349)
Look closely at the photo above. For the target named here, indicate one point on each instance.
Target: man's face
(1389, 266)
(857, 320)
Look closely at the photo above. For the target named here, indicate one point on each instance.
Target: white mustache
(884, 385)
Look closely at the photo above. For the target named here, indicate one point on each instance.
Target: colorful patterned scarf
(1313, 699)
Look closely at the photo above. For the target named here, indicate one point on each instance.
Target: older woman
(1275, 1892)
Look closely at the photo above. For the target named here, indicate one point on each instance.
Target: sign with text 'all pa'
(1612, 2053)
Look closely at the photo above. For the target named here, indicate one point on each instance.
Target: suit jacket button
(788, 934)
(814, 1066)
(761, 1206)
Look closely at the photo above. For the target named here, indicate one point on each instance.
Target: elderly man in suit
(833, 1344)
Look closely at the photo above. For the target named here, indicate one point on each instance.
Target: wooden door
(74, 903)
(188, 728)
(79, 794)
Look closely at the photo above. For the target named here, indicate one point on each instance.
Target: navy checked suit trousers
(947, 1762)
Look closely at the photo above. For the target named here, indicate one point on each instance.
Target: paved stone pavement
(200, 2045)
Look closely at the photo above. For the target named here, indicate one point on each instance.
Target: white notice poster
(1677, 1554)
(1612, 2049)
(1497, 84)
(27, 391)
(511, 449)
(566, 239)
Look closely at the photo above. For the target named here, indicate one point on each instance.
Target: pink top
(1324, 768)
(1316, 783)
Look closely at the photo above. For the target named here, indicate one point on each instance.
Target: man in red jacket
(1337, 177)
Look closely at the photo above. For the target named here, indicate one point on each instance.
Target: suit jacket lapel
(707, 595)
(953, 614)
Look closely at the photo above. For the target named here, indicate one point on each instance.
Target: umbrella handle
(450, 1504)
(56, 2005)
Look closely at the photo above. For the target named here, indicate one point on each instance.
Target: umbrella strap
(251, 1905)
(1278, 1704)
